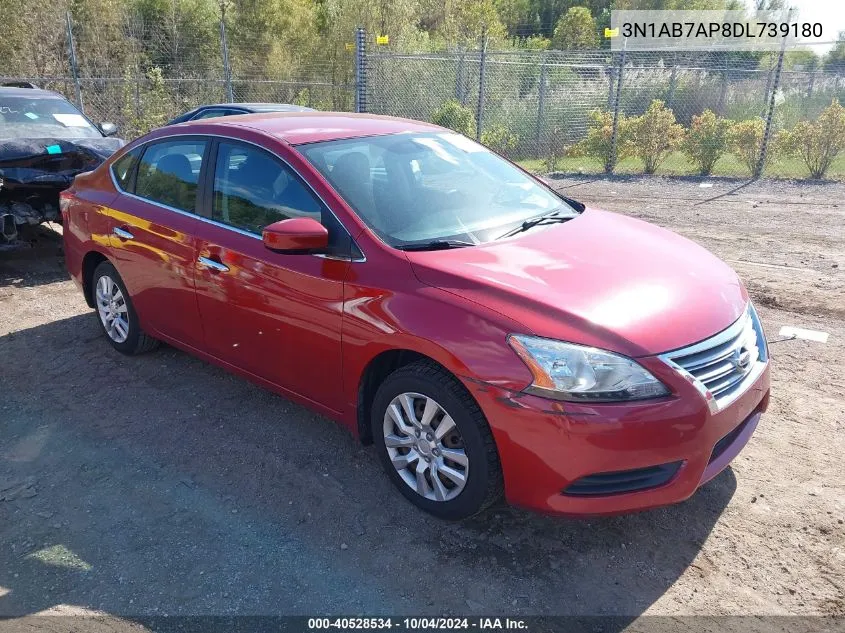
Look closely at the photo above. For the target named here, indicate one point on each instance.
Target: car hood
(51, 163)
(600, 279)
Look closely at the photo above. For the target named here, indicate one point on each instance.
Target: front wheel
(435, 443)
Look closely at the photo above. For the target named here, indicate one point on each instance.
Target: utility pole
(73, 67)
(224, 48)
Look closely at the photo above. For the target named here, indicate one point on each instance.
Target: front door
(277, 316)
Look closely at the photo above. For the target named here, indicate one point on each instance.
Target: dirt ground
(163, 485)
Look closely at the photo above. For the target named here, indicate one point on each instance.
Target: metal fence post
(360, 70)
(673, 81)
(73, 67)
(764, 147)
(541, 102)
(479, 115)
(460, 93)
(769, 80)
(723, 90)
(224, 48)
(614, 134)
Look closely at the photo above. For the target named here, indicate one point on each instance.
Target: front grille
(723, 366)
(621, 481)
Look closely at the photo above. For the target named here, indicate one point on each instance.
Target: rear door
(277, 316)
(154, 224)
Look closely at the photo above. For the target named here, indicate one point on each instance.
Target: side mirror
(295, 235)
(109, 129)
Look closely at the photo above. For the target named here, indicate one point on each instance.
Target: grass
(676, 164)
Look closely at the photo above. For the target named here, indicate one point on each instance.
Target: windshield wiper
(435, 245)
(547, 218)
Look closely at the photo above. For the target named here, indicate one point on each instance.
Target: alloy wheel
(111, 306)
(425, 446)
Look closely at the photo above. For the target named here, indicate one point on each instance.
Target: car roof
(310, 127)
(9, 91)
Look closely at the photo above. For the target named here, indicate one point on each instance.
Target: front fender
(467, 339)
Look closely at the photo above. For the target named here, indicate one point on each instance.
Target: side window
(252, 189)
(214, 113)
(169, 172)
(122, 169)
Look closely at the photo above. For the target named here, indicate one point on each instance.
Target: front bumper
(546, 446)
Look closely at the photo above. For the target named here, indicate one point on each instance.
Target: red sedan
(489, 336)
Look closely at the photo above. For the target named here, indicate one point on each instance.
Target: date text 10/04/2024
(417, 624)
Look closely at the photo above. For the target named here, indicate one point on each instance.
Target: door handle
(122, 233)
(214, 265)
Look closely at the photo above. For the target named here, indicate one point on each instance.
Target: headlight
(565, 371)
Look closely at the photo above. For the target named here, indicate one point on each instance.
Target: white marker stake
(807, 335)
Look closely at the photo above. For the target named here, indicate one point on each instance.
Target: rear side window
(169, 172)
(122, 169)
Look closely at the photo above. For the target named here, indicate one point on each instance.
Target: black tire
(484, 484)
(137, 341)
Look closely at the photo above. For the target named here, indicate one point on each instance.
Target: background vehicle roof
(269, 107)
(8, 91)
(310, 127)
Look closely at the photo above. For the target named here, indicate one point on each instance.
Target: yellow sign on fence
(382, 39)
(611, 32)
(350, 46)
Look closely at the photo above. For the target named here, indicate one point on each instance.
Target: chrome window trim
(213, 222)
(732, 331)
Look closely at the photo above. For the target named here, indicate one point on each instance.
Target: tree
(576, 30)
(798, 59)
(466, 20)
(689, 5)
(835, 59)
(520, 17)
(34, 41)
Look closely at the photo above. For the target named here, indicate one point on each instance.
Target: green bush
(706, 141)
(745, 140)
(817, 142)
(500, 139)
(553, 149)
(597, 142)
(456, 117)
(654, 135)
(150, 108)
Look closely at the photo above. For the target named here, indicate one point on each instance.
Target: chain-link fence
(537, 104)
(529, 105)
(152, 75)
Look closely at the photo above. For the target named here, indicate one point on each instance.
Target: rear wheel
(116, 314)
(434, 442)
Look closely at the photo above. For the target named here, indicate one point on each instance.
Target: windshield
(28, 117)
(417, 188)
